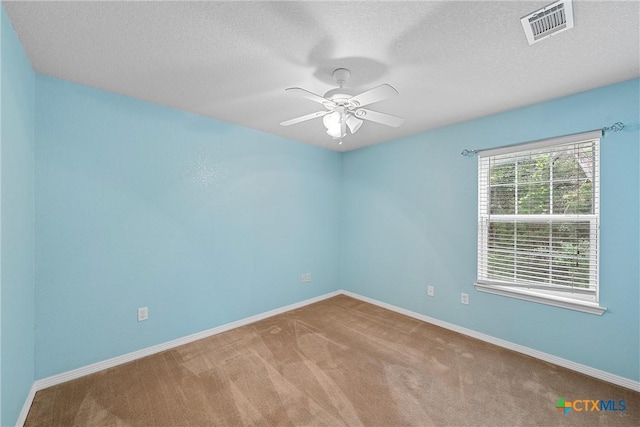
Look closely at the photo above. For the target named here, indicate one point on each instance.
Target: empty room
(336, 213)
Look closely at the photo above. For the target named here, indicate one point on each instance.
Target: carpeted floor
(339, 362)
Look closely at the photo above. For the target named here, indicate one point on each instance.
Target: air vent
(549, 20)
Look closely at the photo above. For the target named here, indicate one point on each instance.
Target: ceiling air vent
(550, 20)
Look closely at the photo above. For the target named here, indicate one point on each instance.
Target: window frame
(539, 293)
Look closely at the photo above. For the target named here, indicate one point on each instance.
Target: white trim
(119, 360)
(22, 418)
(577, 367)
(540, 298)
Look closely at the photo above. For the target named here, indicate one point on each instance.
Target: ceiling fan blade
(383, 118)
(374, 95)
(304, 118)
(309, 95)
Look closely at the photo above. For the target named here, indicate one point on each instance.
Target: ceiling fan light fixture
(331, 119)
(353, 123)
(334, 132)
(332, 122)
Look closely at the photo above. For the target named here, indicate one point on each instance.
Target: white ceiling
(450, 61)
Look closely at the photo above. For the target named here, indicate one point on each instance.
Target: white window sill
(530, 295)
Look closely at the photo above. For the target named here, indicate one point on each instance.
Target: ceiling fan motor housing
(341, 75)
(341, 96)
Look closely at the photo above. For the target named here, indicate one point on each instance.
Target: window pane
(571, 252)
(503, 200)
(533, 168)
(572, 186)
(566, 167)
(542, 252)
(572, 197)
(503, 194)
(533, 237)
(533, 198)
(533, 184)
(500, 250)
(503, 173)
(532, 257)
(533, 268)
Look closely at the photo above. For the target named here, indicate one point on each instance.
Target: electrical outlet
(430, 291)
(308, 277)
(303, 278)
(464, 298)
(143, 314)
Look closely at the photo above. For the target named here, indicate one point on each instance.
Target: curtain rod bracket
(469, 153)
(616, 127)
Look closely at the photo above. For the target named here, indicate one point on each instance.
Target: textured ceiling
(450, 61)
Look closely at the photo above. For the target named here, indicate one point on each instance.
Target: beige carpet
(339, 362)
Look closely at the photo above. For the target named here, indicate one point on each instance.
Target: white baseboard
(119, 360)
(583, 369)
(22, 418)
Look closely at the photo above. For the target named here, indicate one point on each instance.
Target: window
(538, 213)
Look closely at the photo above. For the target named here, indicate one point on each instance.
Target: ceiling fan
(343, 109)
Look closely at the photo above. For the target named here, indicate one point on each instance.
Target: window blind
(538, 214)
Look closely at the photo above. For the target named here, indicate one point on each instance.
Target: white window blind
(538, 213)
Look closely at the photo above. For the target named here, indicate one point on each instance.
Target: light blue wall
(206, 223)
(17, 225)
(140, 205)
(409, 215)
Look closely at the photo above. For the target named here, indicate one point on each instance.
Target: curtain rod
(616, 127)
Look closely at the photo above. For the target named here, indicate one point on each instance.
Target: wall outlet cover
(464, 298)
